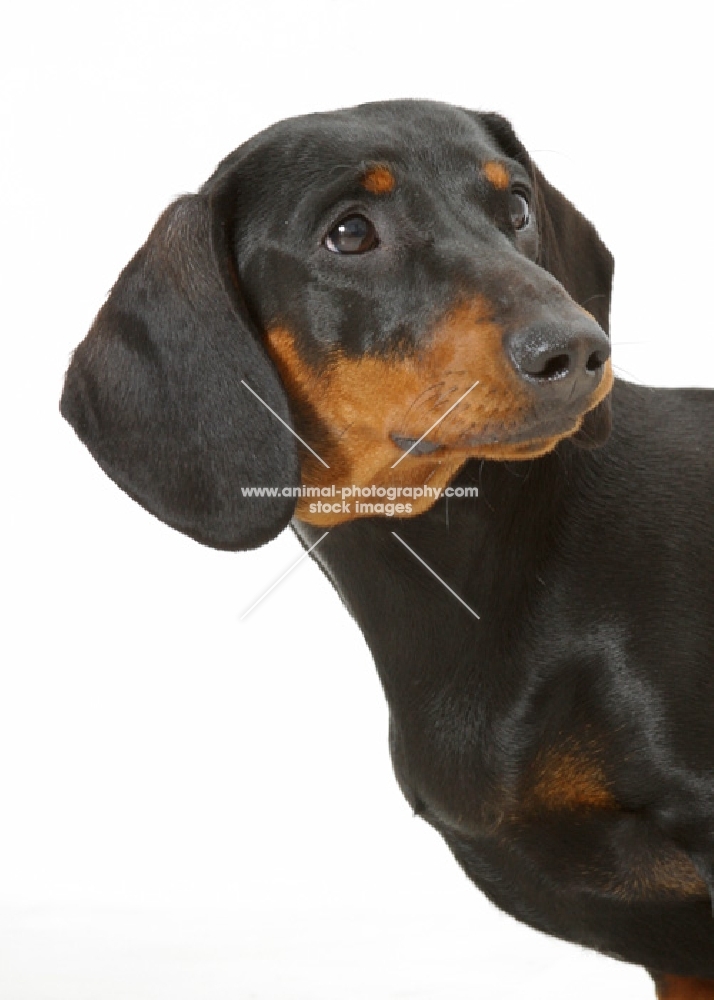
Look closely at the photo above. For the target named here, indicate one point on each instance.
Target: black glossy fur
(591, 569)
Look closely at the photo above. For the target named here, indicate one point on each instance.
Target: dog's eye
(520, 210)
(355, 234)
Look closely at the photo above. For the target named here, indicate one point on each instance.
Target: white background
(193, 807)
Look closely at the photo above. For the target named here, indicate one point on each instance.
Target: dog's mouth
(488, 438)
(416, 446)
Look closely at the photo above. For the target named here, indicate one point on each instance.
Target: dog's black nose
(567, 361)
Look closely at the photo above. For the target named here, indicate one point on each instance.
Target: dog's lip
(534, 435)
(537, 432)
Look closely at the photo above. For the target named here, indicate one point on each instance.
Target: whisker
(624, 371)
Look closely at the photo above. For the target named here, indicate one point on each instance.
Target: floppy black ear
(571, 250)
(155, 390)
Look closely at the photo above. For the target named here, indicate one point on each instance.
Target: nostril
(548, 354)
(596, 360)
(554, 367)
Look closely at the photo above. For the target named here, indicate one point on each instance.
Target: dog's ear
(571, 250)
(155, 391)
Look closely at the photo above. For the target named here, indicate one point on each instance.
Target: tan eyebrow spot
(378, 179)
(496, 174)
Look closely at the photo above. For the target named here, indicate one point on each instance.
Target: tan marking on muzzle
(349, 408)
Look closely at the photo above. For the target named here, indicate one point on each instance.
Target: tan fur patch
(378, 179)
(667, 873)
(496, 174)
(571, 779)
(685, 988)
(348, 409)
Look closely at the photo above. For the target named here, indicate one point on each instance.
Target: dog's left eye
(520, 210)
(355, 234)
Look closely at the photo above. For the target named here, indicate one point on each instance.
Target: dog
(391, 301)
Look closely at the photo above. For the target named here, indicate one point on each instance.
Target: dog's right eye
(520, 210)
(355, 234)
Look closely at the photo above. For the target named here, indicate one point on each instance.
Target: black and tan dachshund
(399, 285)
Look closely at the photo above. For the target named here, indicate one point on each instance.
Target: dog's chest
(476, 778)
(545, 813)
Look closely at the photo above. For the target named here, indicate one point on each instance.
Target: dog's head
(397, 283)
